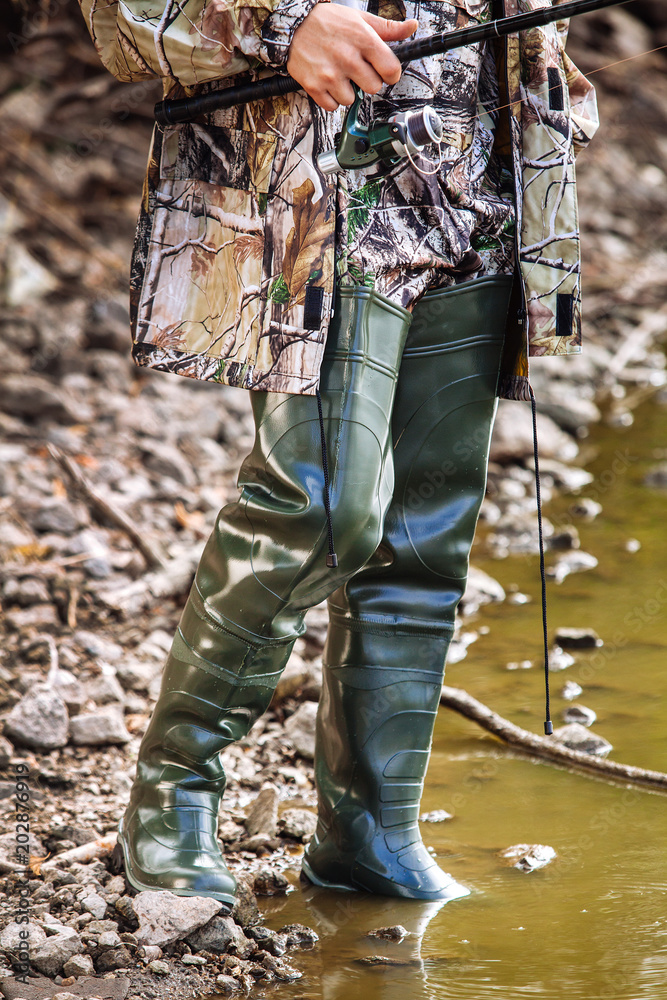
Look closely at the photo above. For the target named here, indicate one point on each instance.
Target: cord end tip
(548, 728)
(332, 560)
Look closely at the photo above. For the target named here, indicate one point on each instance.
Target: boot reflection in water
(345, 921)
(407, 434)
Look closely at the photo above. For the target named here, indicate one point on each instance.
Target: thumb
(391, 31)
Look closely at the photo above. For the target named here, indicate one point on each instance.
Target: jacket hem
(227, 372)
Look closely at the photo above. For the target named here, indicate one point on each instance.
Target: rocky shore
(111, 477)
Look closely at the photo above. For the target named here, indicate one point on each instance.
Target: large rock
(37, 397)
(60, 516)
(165, 918)
(39, 720)
(263, 813)
(87, 986)
(246, 911)
(11, 939)
(578, 737)
(298, 823)
(50, 956)
(220, 935)
(300, 729)
(102, 728)
(513, 436)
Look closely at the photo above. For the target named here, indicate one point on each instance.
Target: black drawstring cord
(332, 558)
(548, 725)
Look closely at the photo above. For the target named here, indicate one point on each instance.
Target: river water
(593, 924)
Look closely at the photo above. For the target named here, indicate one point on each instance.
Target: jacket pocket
(203, 280)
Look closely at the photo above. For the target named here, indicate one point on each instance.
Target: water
(594, 923)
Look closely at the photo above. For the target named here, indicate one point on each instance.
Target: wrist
(279, 28)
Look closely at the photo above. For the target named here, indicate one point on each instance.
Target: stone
(395, 933)
(296, 674)
(114, 958)
(586, 509)
(263, 814)
(246, 911)
(227, 985)
(60, 516)
(159, 967)
(299, 824)
(579, 713)
(221, 935)
(34, 396)
(564, 540)
(105, 689)
(79, 965)
(299, 936)
(577, 638)
(259, 843)
(573, 562)
(193, 960)
(6, 751)
(271, 883)
(70, 689)
(165, 918)
(11, 939)
(513, 436)
(268, 940)
(39, 720)
(125, 906)
(300, 729)
(571, 690)
(165, 459)
(435, 816)
(559, 659)
(95, 904)
(25, 592)
(10, 860)
(103, 728)
(656, 477)
(573, 412)
(88, 987)
(280, 969)
(98, 645)
(50, 956)
(109, 939)
(480, 589)
(578, 737)
(137, 675)
(39, 616)
(528, 857)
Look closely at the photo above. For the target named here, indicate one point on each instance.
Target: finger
(365, 77)
(390, 31)
(378, 53)
(343, 93)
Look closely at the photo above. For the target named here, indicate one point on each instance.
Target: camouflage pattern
(237, 242)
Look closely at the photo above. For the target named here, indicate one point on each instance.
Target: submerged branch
(548, 749)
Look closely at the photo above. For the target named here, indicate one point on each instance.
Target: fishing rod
(189, 108)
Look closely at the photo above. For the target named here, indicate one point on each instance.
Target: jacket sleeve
(191, 41)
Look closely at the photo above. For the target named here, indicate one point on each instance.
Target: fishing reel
(358, 146)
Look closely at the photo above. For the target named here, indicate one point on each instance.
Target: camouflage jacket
(233, 266)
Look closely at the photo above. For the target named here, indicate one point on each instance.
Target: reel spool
(402, 135)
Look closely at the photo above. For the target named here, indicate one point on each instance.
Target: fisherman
(376, 315)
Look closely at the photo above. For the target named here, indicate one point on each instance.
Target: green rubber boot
(264, 565)
(391, 623)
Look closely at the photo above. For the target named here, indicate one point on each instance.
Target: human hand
(334, 45)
